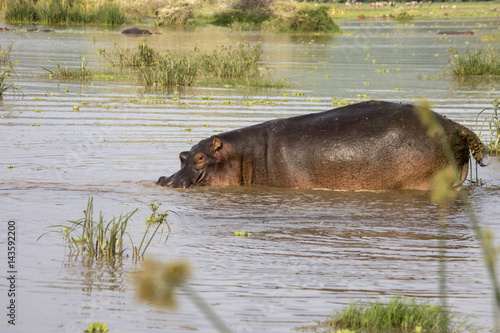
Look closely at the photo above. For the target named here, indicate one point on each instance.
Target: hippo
(136, 31)
(453, 32)
(371, 145)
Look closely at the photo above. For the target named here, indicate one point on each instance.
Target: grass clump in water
(61, 72)
(300, 18)
(64, 12)
(104, 240)
(475, 62)
(400, 314)
(224, 65)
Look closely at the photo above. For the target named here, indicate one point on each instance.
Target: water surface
(310, 253)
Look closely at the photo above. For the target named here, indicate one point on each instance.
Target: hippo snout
(173, 182)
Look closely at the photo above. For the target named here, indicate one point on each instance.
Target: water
(310, 253)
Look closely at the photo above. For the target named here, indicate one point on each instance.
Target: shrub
(301, 18)
(177, 13)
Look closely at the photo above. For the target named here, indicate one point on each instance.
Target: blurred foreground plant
(157, 282)
(443, 192)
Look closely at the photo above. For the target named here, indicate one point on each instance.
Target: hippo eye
(200, 160)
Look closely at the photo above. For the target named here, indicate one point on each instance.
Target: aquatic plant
(61, 72)
(169, 69)
(104, 240)
(227, 62)
(221, 66)
(157, 283)
(399, 314)
(64, 12)
(4, 83)
(475, 62)
(493, 125)
(5, 54)
(300, 18)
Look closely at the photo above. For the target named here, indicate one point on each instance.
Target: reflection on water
(310, 251)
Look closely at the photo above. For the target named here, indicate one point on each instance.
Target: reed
(493, 126)
(82, 73)
(105, 240)
(4, 83)
(227, 62)
(64, 12)
(475, 62)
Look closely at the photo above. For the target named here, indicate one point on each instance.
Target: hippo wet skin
(366, 146)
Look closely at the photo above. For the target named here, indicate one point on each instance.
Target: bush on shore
(176, 13)
(300, 18)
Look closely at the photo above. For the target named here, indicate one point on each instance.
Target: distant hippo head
(198, 166)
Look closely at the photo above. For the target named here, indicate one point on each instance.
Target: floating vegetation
(242, 233)
(104, 240)
(399, 314)
(475, 62)
(97, 328)
(341, 102)
(64, 12)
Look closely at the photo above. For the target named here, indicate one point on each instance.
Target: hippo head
(198, 166)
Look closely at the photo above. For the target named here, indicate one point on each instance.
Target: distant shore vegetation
(269, 15)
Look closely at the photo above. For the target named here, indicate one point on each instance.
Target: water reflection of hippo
(136, 31)
(367, 146)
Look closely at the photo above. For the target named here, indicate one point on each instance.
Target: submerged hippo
(136, 31)
(367, 146)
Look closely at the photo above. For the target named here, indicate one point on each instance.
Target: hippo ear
(216, 144)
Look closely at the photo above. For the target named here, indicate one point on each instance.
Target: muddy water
(310, 253)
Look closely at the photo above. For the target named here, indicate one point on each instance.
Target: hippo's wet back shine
(366, 146)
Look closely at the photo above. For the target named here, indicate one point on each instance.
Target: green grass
(105, 240)
(4, 83)
(63, 72)
(64, 12)
(224, 65)
(476, 62)
(6, 73)
(400, 314)
(493, 127)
